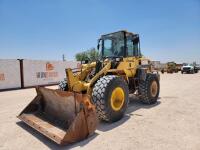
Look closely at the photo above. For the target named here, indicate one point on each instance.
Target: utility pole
(63, 57)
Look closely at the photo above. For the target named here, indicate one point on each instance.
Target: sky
(45, 29)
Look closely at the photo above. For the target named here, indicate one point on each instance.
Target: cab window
(130, 47)
(136, 49)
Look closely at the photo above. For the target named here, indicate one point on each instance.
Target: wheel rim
(154, 88)
(117, 98)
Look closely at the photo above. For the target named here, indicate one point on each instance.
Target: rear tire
(108, 108)
(149, 89)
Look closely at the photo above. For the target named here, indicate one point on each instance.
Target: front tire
(63, 86)
(149, 89)
(110, 96)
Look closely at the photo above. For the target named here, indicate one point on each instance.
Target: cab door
(131, 61)
(132, 54)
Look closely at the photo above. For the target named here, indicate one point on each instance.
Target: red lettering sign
(2, 77)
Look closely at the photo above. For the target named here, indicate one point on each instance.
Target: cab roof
(124, 31)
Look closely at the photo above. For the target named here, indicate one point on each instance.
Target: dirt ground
(173, 123)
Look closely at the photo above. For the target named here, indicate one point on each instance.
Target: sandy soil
(173, 123)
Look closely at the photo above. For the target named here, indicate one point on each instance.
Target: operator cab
(119, 45)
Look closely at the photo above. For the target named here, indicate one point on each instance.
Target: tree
(91, 55)
(81, 56)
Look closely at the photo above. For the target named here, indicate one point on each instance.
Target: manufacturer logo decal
(49, 66)
(49, 73)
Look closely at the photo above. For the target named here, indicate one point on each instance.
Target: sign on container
(40, 72)
(9, 74)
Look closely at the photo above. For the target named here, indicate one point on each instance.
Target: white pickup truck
(189, 68)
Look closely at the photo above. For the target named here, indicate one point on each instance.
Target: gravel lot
(173, 123)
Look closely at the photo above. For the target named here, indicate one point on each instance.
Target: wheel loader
(172, 67)
(99, 89)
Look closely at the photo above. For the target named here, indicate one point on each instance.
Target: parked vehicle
(189, 68)
(197, 68)
(99, 89)
(171, 67)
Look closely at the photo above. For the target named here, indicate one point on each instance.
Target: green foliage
(91, 55)
(81, 56)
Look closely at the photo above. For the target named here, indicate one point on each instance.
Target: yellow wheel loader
(101, 87)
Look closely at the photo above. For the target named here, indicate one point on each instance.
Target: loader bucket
(64, 117)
